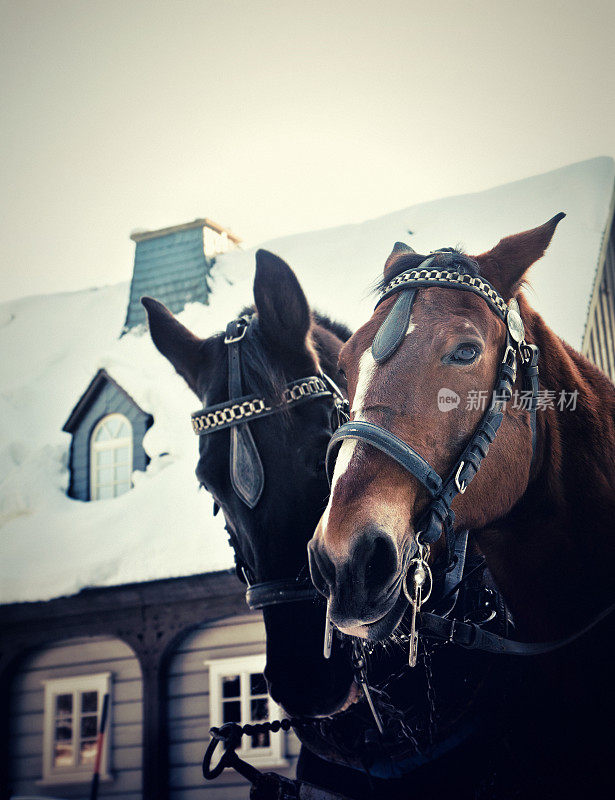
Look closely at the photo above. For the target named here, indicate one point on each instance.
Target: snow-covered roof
(53, 345)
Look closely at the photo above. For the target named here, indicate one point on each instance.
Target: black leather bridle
(245, 465)
(439, 516)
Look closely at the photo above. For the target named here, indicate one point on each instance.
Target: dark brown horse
(284, 342)
(545, 520)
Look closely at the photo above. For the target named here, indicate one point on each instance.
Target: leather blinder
(247, 473)
(393, 330)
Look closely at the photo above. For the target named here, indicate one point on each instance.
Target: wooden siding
(172, 268)
(188, 707)
(108, 400)
(78, 657)
(599, 341)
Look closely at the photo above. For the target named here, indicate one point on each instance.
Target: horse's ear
(283, 312)
(505, 265)
(176, 343)
(399, 250)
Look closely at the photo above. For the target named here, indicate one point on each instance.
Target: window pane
(113, 425)
(64, 705)
(89, 726)
(231, 711)
(104, 458)
(259, 709)
(63, 755)
(121, 454)
(121, 488)
(122, 474)
(258, 684)
(102, 434)
(89, 702)
(64, 730)
(88, 752)
(260, 739)
(105, 492)
(123, 432)
(230, 686)
(105, 476)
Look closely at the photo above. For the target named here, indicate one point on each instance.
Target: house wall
(188, 707)
(77, 657)
(599, 341)
(109, 400)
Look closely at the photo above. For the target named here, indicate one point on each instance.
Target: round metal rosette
(514, 322)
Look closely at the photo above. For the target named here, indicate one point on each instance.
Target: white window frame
(244, 666)
(110, 444)
(75, 685)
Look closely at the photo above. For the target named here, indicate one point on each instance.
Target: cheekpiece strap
(246, 467)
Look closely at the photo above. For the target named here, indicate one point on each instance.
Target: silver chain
(445, 277)
(236, 412)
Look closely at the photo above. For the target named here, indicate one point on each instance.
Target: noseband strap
(275, 593)
(388, 443)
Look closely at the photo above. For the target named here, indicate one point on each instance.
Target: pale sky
(276, 117)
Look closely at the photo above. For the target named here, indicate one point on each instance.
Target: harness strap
(274, 593)
(531, 385)
(473, 637)
(457, 545)
(246, 467)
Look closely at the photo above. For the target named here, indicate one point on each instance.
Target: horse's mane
(452, 258)
(261, 375)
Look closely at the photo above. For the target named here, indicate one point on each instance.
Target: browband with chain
(250, 407)
(417, 278)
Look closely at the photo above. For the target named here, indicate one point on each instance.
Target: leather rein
(246, 468)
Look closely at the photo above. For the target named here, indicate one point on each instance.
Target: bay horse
(272, 489)
(539, 497)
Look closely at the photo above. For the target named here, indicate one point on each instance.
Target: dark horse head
(284, 342)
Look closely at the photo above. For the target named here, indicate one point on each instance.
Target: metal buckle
(240, 335)
(510, 353)
(461, 485)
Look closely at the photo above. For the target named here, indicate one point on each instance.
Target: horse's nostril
(382, 563)
(322, 568)
(376, 554)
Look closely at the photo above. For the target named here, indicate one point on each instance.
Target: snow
(51, 545)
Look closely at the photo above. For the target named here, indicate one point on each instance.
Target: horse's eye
(464, 354)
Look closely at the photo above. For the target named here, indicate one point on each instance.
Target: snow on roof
(53, 345)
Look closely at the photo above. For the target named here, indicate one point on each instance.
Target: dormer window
(111, 457)
(107, 427)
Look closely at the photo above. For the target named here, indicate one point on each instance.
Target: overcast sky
(276, 117)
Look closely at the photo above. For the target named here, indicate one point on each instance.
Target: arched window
(110, 457)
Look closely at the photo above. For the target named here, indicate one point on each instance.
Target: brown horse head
(431, 393)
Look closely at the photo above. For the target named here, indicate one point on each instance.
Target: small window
(73, 707)
(238, 693)
(111, 457)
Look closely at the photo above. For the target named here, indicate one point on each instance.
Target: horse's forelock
(452, 258)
